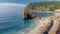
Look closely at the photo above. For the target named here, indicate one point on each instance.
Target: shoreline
(35, 30)
(38, 26)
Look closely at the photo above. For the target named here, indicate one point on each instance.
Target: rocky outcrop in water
(28, 15)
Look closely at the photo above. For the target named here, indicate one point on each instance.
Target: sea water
(43, 15)
(11, 20)
(31, 24)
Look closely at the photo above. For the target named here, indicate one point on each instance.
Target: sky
(20, 1)
(23, 1)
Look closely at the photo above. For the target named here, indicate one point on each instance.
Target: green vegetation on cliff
(43, 6)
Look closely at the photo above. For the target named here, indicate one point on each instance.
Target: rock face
(28, 15)
(58, 32)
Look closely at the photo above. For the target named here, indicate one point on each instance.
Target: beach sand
(44, 23)
(40, 26)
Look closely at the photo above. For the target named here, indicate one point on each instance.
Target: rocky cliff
(28, 15)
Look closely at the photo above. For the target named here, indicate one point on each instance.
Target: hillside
(42, 6)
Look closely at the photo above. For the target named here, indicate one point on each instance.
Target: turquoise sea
(11, 20)
(30, 24)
